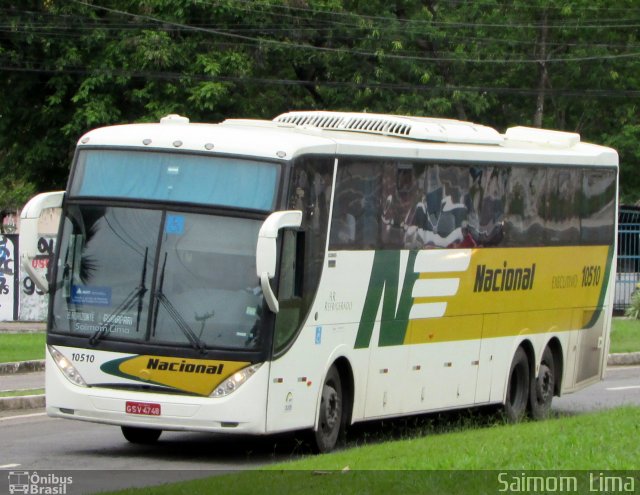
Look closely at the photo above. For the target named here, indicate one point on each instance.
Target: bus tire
(331, 419)
(140, 435)
(517, 399)
(542, 387)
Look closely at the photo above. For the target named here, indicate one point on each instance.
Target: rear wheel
(140, 435)
(331, 421)
(542, 387)
(515, 405)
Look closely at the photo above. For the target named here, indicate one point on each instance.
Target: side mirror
(266, 250)
(29, 232)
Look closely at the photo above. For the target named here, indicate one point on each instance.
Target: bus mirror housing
(29, 233)
(266, 251)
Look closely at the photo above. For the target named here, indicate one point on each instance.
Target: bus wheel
(515, 405)
(542, 387)
(140, 435)
(331, 418)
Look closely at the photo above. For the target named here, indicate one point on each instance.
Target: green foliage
(15, 192)
(633, 311)
(72, 66)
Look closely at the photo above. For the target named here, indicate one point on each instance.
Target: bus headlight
(232, 383)
(68, 370)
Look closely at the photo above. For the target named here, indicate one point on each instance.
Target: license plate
(144, 408)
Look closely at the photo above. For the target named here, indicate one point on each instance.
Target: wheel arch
(347, 380)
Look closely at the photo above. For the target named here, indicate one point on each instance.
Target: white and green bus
(323, 269)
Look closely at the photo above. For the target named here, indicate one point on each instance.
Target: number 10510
(591, 275)
(79, 357)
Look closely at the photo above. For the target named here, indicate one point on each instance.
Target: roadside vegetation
(625, 335)
(21, 393)
(466, 460)
(21, 346)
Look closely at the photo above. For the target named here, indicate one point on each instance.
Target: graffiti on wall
(8, 268)
(33, 302)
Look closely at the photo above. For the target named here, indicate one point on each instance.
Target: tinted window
(107, 256)
(385, 204)
(197, 285)
(178, 177)
(302, 253)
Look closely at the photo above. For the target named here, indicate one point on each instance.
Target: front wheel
(542, 387)
(140, 435)
(331, 421)
(515, 405)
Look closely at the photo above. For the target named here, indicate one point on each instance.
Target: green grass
(21, 346)
(465, 461)
(19, 393)
(625, 335)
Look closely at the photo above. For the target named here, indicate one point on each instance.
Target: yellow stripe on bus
(526, 290)
(473, 327)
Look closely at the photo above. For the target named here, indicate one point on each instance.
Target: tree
(70, 66)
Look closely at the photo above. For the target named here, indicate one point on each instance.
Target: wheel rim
(330, 409)
(544, 384)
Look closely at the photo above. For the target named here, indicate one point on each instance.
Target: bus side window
(597, 206)
(302, 252)
(290, 288)
(357, 205)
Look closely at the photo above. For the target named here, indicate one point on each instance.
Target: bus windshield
(158, 277)
(175, 177)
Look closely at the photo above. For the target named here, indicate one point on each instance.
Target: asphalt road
(33, 441)
(621, 386)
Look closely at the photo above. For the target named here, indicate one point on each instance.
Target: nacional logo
(504, 278)
(184, 367)
(407, 286)
(199, 376)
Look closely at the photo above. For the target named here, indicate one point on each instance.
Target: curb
(22, 402)
(8, 327)
(624, 359)
(21, 367)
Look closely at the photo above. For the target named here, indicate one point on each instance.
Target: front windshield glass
(105, 271)
(177, 177)
(207, 275)
(163, 277)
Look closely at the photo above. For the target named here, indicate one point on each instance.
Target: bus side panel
(434, 329)
(296, 378)
(329, 333)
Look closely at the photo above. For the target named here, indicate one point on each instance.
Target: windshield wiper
(136, 294)
(175, 315)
